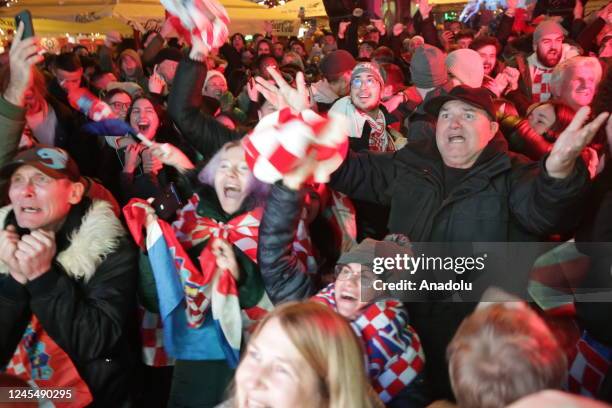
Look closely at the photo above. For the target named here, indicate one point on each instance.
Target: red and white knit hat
(283, 140)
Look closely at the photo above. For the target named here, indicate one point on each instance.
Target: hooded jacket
(138, 76)
(84, 302)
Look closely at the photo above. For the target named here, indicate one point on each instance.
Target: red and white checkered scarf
(540, 81)
(394, 353)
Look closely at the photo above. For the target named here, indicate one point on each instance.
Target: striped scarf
(379, 141)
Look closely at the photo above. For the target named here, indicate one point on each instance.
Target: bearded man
(536, 70)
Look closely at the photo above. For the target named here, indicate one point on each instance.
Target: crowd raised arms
(406, 214)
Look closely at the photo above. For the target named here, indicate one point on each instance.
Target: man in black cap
(336, 68)
(467, 187)
(67, 282)
(166, 63)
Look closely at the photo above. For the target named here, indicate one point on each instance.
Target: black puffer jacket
(285, 278)
(504, 197)
(88, 313)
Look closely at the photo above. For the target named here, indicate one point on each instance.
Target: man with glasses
(369, 119)
(119, 101)
(369, 130)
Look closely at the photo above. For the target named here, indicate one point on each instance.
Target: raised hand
(424, 8)
(23, 56)
(571, 142)
(499, 83)
(511, 6)
(578, 10)
(149, 211)
(282, 94)
(112, 38)
(299, 175)
(398, 29)
(342, 27)
(513, 75)
(606, 13)
(156, 82)
(380, 26)
(167, 30)
(446, 38)
(171, 155)
(268, 27)
(252, 90)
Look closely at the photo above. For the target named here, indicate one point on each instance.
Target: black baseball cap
(478, 97)
(52, 161)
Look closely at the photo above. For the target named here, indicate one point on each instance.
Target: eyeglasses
(368, 82)
(343, 272)
(120, 105)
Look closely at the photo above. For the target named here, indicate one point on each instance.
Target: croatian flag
(186, 293)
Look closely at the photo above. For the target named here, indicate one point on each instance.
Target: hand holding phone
(24, 54)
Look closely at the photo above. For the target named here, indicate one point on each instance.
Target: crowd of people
(143, 262)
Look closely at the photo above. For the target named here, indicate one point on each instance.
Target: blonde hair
(327, 342)
(500, 354)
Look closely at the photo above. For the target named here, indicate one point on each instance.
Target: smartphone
(167, 203)
(28, 27)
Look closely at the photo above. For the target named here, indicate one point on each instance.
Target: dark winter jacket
(233, 58)
(522, 97)
(205, 134)
(504, 197)
(285, 278)
(594, 238)
(85, 302)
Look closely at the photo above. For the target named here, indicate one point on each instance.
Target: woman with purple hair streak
(217, 229)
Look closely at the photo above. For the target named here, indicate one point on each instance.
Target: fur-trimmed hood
(98, 235)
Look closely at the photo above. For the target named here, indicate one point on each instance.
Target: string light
(8, 3)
